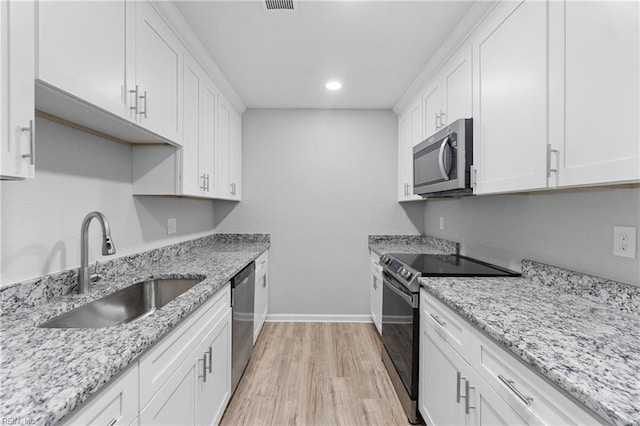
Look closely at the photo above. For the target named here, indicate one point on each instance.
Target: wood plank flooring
(315, 374)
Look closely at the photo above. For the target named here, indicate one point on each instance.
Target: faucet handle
(95, 276)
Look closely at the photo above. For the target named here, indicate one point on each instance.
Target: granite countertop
(580, 332)
(385, 244)
(46, 373)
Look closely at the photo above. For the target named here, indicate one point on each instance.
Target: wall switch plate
(441, 222)
(624, 241)
(171, 225)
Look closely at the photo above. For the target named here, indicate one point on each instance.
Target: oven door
(400, 331)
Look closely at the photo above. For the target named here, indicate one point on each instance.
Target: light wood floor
(315, 374)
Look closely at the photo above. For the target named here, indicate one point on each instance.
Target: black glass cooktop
(450, 265)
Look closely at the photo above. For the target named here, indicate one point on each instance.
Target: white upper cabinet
(457, 88)
(158, 73)
(83, 51)
(105, 65)
(448, 97)
(229, 151)
(200, 103)
(410, 133)
(235, 156)
(510, 98)
(595, 125)
(432, 106)
(17, 108)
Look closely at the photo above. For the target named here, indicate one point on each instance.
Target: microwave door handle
(444, 169)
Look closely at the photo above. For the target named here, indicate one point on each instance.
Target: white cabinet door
(206, 157)
(177, 401)
(262, 294)
(601, 79)
(158, 73)
(117, 403)
(82, 51)
(222, 148)
(193, 181)
(404, 160)
(441, 380)
(457, 91)
(235, 155)
(409, 135)
(18, 95)
(432, 105)
(215, 388)
(376, 292)
(510, 99)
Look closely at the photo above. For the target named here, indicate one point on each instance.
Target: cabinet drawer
(451, 327)
(115, 405)
(159, 363)
(535, 400)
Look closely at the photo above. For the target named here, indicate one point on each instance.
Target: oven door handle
(410, 299)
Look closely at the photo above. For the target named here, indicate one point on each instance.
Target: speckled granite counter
(384, 244)
(579, 331)
(46, 373)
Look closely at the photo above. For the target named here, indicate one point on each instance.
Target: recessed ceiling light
(334, 85)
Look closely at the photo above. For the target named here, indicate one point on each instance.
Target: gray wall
(571, 229)
(77, 173)
(319, 181)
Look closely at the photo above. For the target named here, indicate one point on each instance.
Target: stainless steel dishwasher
(242, 305)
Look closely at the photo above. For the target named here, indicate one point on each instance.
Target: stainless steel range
(401, 312)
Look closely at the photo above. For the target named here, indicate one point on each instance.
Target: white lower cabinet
(117, 404)
(484, 385)
(376, 292)
(261, 304)
(185, 379)
(177, 401)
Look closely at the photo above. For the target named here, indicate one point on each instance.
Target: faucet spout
(108, 248)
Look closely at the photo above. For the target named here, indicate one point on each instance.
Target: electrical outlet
(624, 241)
(171, 225)
(441, 222)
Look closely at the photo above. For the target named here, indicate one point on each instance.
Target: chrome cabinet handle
(145, 104)
(264, 282)
(458, 378)
(204, 182)
(437, 121)
(135, 98)
(32, 143)
(112, 422)
(204, 368)
(438, 320)
(444, 168)
(210, 359)
(467, 404)
(442, 123)
(527, 400)
(549, 152)
(207, 182)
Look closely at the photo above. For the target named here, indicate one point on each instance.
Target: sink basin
(131, 303)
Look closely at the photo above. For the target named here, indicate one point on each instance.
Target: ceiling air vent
(281, 5)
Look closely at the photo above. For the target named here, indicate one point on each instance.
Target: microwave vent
(281, 5)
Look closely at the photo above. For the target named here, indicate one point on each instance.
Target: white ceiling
(283, 60)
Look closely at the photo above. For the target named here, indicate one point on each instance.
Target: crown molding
(192, 42)
(460, 35)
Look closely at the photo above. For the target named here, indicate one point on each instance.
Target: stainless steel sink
(131, 303)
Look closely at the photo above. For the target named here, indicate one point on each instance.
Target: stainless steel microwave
(442, 162)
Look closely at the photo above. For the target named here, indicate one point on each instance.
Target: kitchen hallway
(315, 374)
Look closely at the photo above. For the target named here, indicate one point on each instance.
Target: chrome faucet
(84, 277)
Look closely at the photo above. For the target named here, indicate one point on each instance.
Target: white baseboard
(317, 318)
